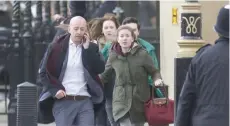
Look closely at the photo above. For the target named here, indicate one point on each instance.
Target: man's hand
(153, 20)
(60, 94)
(158, 82)
(87, 41)
(57, 17)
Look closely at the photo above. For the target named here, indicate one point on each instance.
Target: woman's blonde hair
(96, 25)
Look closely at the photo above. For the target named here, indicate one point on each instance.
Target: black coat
(204, 99)
(106, 7)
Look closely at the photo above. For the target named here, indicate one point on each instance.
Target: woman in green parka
(132, 65)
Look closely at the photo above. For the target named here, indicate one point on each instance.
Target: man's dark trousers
(73, 112)
(101, 117)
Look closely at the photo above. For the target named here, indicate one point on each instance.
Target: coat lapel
(64, 66)
(94, 88)
(63, 58)
(83, 57)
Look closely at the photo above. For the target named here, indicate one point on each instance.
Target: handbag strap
(153, 89)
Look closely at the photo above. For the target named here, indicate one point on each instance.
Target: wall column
(190, 41)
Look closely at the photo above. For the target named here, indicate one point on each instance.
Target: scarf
(55, 58)
(117, 48)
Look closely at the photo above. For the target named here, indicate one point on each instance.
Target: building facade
(170, 34)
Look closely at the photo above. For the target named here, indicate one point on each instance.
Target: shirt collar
(73, 44)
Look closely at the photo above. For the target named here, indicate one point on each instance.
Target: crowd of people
(117, 83)
(100, 73)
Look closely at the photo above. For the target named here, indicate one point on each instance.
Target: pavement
(3, 121)
(3, 117)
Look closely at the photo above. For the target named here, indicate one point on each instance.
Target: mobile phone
(83, 38)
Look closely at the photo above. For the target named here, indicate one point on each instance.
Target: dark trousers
(101, 118)
(73, 113)
(108, 106)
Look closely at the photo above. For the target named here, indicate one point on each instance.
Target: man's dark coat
(204, 99)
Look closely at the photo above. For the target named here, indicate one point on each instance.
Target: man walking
(69, 75)
(204, 99)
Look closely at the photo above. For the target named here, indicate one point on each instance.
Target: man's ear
(69, 29)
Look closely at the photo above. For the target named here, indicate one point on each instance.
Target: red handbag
(159, 111)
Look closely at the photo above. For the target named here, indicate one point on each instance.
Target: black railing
(27, 47)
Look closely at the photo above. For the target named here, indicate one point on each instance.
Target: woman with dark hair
(103, 31)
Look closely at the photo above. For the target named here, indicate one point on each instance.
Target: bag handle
(159, 100)
(154, 87)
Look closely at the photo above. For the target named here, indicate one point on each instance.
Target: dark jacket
(148, 11)
(52, 71)
(204, 99)
(105, 7)
(77, 8)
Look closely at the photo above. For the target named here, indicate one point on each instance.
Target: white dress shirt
(74, 80)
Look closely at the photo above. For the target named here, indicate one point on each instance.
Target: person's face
(134, 27)
(125, 38)
(109, 29)
(77, 30)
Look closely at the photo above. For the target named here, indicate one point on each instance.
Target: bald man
(69, 72)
